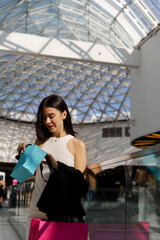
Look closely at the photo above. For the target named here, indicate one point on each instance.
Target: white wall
(11, 134)
(98, 149)
(145, 90)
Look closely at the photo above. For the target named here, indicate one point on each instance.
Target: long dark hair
(54, 101)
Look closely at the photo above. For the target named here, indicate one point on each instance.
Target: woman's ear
(64, 114)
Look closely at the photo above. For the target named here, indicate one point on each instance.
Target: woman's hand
(21, 148)
(51, 159)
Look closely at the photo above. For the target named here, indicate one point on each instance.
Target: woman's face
(53, 119)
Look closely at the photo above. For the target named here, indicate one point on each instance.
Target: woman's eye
(48, 117)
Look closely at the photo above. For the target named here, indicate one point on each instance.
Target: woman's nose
(48, 120)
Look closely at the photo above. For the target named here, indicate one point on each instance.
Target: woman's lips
(51, 126)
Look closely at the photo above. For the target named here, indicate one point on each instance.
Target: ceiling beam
(28, 44)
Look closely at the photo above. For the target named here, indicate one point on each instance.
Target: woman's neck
(60, 134)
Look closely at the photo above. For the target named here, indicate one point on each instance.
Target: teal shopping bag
(28, 163)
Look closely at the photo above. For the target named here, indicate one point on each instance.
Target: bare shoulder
(75, 145)
(78, 143)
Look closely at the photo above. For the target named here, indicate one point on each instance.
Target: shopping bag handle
(52, 170)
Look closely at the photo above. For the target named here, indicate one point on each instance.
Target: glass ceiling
(122, 23)
(94, 92)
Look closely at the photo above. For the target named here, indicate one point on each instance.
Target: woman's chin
(52, 130)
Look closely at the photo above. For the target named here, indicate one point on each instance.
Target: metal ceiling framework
(94, 92)
(122, 23)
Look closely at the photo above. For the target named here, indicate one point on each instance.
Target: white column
(145, 90)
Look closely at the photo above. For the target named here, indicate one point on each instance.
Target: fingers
(21, 148)
(49, 155)
(51, 159)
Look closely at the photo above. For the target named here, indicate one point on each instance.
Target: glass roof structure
(94, 92)
(122, 23)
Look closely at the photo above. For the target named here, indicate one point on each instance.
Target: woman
(55, 135)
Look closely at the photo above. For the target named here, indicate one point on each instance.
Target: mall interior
(102, 58)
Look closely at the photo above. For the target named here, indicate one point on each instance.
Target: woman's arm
(51, 159)
(80, 155)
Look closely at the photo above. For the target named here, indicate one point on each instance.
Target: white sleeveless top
(58, 148)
